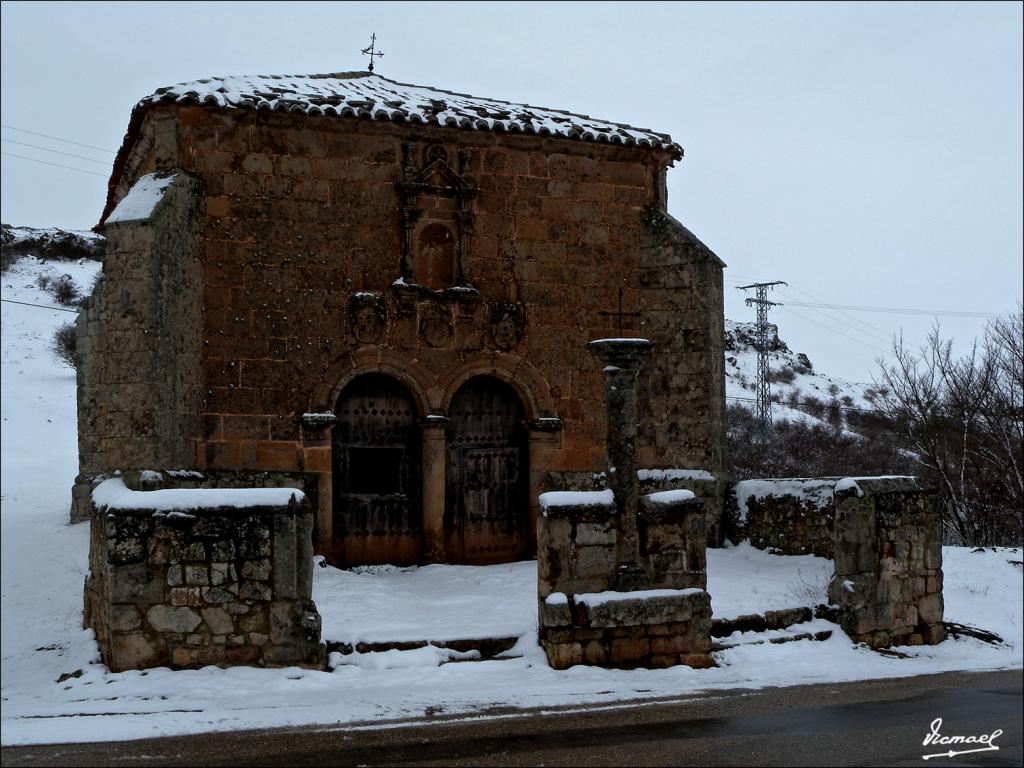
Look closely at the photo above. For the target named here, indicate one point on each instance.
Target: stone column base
(624, 630)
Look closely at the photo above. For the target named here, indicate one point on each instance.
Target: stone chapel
(381, 293)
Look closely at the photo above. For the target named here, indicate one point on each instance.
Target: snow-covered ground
(53, 687)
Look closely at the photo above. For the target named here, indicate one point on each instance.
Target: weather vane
(371, 51)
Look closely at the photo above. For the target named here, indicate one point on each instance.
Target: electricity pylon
(764, 390)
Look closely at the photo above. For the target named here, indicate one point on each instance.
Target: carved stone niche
(367, 317)
(436, 213)
(508, 325)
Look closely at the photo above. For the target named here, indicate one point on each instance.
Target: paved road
(865, 723)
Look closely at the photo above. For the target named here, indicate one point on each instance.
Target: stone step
(823, 634)
(488, 647)
(761, 622)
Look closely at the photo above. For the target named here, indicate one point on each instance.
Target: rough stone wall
(888, 562)
(139, 381)
(211, 586)
(786, 516)
(682, 400)
(302, 213)
(577, 561)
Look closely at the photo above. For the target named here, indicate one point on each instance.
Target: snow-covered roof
(142, 199)
(364, 94)
(369, 96)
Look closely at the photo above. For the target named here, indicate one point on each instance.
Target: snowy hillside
(38, 393)
(796, 386)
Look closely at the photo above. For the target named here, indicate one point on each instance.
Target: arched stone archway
(486, 473)
(377, 511)
(530, 387)
(371, 359)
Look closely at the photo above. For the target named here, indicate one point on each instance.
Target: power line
(833, 330)
(835, 308)
(55, 151)
(56, 165)
(41, 306)
(867, 331)
(856, 319)
(869, 335)
(904, 310)
(55, 138)
(735, 279)
(874, 335)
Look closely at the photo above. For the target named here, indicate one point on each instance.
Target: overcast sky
(867, 154)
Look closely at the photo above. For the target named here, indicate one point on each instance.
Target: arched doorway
(486, 474)
(377, 508)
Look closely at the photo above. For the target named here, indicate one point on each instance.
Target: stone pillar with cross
(621, 577)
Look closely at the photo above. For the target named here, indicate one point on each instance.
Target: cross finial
(372, 51)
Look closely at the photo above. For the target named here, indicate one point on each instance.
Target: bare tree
(962, 418)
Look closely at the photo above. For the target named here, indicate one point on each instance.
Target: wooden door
(377, 515)
(485, 477)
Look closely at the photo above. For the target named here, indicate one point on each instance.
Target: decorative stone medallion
(435, 325)
(367, 317)
(507, 325)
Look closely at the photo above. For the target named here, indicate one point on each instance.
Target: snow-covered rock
(49, 244)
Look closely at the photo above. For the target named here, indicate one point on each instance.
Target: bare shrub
(64, 345)
(799, 449)
(784, 375)
(809, 591)
(814, 406)
(834, 414)
(65, 291)
(43, 281)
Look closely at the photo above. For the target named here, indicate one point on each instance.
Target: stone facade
(300, 253)
(888, 560)
(195, 586)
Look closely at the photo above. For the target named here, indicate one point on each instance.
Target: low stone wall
(888, 562)
(662, 619)
(789, 516)
(708, 489)
(190, 577)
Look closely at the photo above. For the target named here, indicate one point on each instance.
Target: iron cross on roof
(371, 50)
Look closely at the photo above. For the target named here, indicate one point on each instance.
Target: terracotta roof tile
(363, 94)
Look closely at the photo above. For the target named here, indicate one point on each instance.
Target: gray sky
(868, 154)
